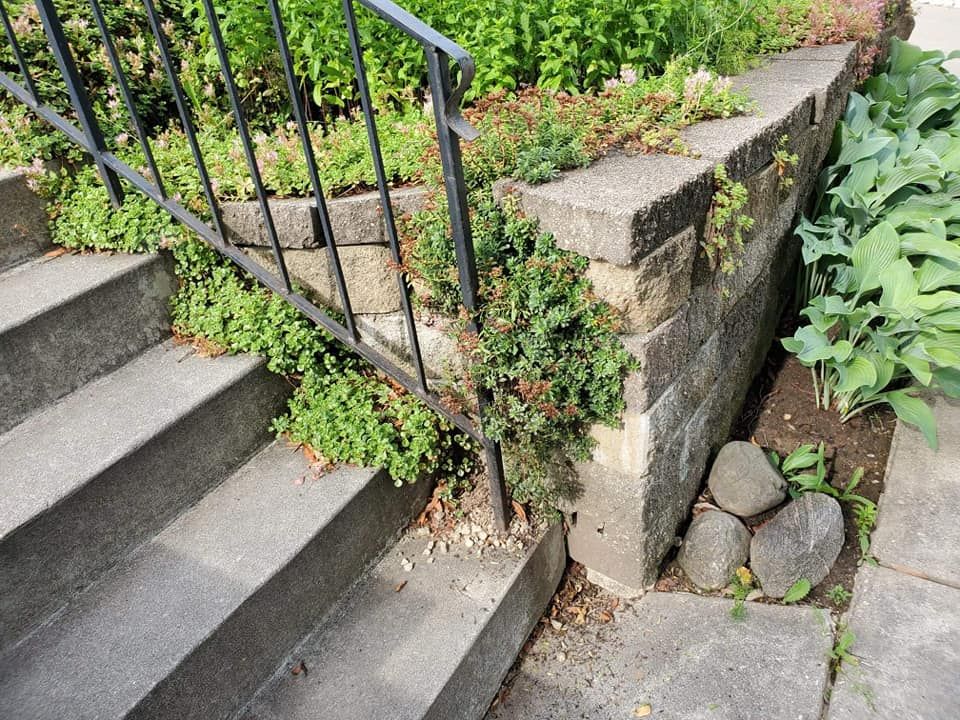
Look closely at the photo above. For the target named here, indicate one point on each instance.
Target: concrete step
(97, 473)
(191, 622)
(438, 647)
(23, 227)
(66, 320)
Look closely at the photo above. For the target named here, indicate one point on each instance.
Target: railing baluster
(246, 141)
(18, 53)
(181, 102)
(79, 97)
(127, 95)
(391, 226)
(438, 67)
(296, 103)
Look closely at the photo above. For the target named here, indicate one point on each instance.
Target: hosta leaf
(929, 106)
(857, 373)
(948, 380)
(936, 273)
(944, 320)
(854, 151)
(873, 252)
(899, 287)
(942, 300)
(927, 244)
(914, 411)
(918, 367)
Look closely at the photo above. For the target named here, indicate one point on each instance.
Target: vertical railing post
(78, 97)
(438, 67)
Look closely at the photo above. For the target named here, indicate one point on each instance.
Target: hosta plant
(881, 282)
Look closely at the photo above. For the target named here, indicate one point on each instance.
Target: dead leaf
(615, 603)
(400, 585)
(300, 667)
(605, 616)
(518, 509)
(556, 624)
(642, 710)
(56, 252)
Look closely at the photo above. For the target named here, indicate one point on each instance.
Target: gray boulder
(716, 544)
(802, 541)
(743, 481)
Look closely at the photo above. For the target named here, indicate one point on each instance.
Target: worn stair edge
(434, 642)
(23, 228)
(191, 622)
(95, 474)
(72, 318)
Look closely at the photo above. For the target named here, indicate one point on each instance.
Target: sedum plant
(881, 282)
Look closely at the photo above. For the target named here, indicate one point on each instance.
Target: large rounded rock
(802, 541)
(743, 481)
(716, 544)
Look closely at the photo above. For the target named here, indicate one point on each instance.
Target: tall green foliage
(881, 281)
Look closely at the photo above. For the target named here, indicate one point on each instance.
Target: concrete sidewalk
(905, 613)
(938, 28)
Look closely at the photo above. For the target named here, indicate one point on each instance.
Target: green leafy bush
(882, 259)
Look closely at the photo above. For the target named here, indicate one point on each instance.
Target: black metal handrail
(451, 127)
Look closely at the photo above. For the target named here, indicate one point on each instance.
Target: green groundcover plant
(881, 281)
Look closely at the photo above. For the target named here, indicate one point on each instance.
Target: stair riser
(43, 563)
(222, 674)
(56, 352)
(23, 221)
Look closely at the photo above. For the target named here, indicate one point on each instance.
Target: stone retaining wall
(700, 336)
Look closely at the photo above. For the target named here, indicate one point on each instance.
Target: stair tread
(38, 286)
(54, 452)
(403, 635)
(132, 628)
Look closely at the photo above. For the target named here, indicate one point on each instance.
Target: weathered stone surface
(744, 482)
(715, 545)
(698, 361)
(685, 657)
(23, 228)
(662, 353)
(802, 541)
(371, 283)
(433, 643)
(354, 220)
(650, 292)
(921, 481)
(908, 644)
(438, 349)
(621, 207)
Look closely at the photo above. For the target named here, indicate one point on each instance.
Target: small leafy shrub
(548, 348)
(839, 595)
(726, 222)
(785, 162)
(797, 592)
(742, 584)
(341, 409)
(881, 281)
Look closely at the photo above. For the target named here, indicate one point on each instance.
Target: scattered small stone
(802, 541)
(482, 536)
(468, 542)
(716, 544)
(432, 544)
(743, 481)
(430, 560)
(443, 547)
(426, 552)
(787, 416)
(561, 657)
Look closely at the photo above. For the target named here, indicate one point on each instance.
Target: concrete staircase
(162, 557)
